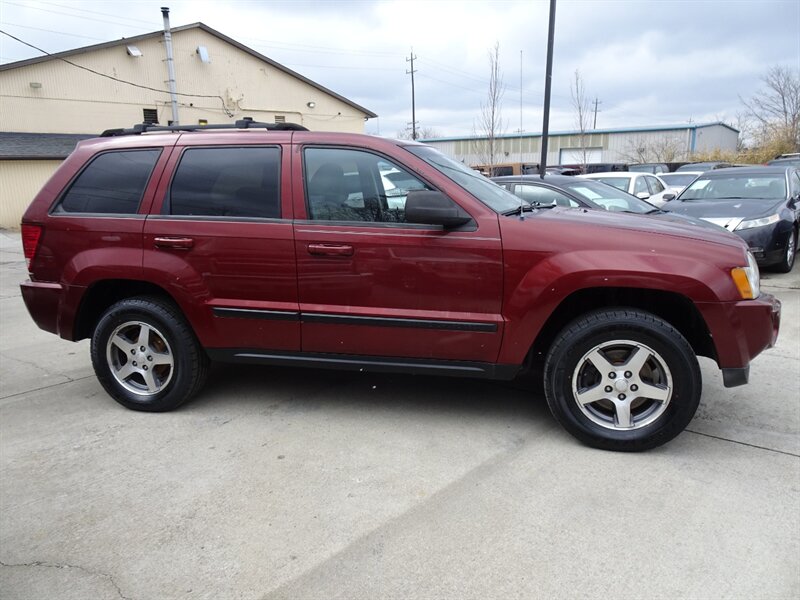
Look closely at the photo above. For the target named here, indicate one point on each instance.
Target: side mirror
(668, 197)
(643, 195)
(434, 208)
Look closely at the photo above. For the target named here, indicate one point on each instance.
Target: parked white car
(677, 182)
(642, 185)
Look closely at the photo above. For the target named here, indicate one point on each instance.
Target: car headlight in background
(747, 279)
(758, 222)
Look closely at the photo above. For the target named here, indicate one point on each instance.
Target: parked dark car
(759, 204)
(703, 166)
(785, 162)
(577, 192)
(653, 168)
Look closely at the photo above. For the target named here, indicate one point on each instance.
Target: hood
(667, 225)
(683, 219)
(744, 208)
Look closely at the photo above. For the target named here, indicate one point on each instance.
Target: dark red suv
(171, 247)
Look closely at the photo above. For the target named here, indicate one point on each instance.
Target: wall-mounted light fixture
(202, 51)
(35, 85)
(133, 51)
(311, 104)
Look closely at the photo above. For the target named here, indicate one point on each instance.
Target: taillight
(30, 241)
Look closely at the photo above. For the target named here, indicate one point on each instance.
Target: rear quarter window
(112, 183)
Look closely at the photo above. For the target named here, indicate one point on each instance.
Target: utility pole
(596, 102)
(413, 100)
(170, 65)
(520, 92)
(548, 80)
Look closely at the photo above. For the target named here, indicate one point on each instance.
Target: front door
(372, 284)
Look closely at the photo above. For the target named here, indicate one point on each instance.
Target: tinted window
(227, 182)
(351, 185)
(113, 183)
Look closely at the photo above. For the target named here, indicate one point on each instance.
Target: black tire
(172, 367)
(789, 254)
(670, 372)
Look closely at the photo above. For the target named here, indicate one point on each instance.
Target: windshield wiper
(527, 208)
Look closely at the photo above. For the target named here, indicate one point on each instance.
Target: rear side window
(113, 183)
(227, 182)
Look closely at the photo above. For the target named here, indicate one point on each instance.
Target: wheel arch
(101, 295)
(674, 308)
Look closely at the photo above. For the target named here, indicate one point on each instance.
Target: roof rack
(246, 123)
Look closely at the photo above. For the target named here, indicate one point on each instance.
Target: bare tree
(424, 133)
(490, 124)
(776, 108)
(580, 103)
(644, 149)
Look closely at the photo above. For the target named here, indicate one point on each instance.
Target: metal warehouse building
(634, 144)
(49, 103)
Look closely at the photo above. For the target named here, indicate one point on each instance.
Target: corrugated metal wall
(20, 181)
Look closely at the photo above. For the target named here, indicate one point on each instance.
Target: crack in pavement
(48, 565)
(724, 439)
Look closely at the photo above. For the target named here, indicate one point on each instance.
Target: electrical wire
(55, 12)
(85, 37)
(117, 79)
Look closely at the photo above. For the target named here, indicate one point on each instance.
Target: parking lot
(282, 483)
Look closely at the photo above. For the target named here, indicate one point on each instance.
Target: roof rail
(245, 123)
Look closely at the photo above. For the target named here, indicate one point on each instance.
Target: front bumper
(741, 331)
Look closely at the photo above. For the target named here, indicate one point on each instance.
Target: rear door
(220, 240)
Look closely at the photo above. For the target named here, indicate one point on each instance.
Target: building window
(280, 119)
(150, 116)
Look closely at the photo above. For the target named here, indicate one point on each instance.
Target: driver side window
(353, 185)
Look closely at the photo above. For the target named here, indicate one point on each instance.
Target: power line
(85, 37)
(92, 12)
(117, 79)
(55, 12)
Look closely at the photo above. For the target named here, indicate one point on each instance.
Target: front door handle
(330, 249)
(174, 243)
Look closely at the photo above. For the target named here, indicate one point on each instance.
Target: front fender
(538, 291)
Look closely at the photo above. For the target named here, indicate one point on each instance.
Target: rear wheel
(146, 356)
(622, 380)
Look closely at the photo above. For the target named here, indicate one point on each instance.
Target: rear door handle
(330, 249)
(174, 243)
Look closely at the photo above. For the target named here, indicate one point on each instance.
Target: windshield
(485, 190)
(600, 195)
(620, 183)
(734, 187)
(677, 179)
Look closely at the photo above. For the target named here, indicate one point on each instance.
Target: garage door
(573, 156)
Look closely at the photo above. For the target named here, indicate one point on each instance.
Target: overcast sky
(647, 62)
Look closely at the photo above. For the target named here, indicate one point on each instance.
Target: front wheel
(146, 356)
(787, 262)
(622, 380)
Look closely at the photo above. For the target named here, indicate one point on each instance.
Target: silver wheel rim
(622, 385)
(790, 248)
(140, 358)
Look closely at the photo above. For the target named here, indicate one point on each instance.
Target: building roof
(201, 26)
(40, 146)
(683, 127)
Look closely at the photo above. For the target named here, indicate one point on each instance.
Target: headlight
(747, 279)
(758, 222)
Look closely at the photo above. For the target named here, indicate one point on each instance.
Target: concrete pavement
(281, 483)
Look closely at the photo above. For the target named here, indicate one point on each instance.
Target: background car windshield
(732, 187)
(677, 178)
(620, 183)
(488, 192)
(606, 197)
